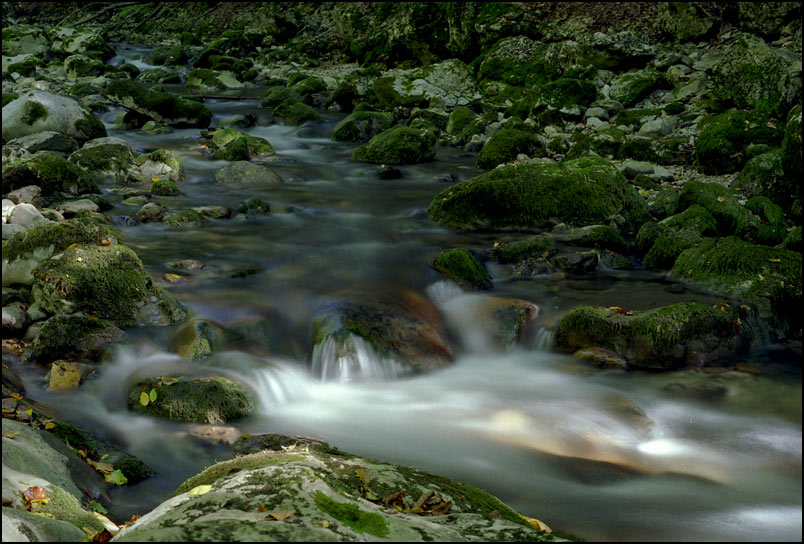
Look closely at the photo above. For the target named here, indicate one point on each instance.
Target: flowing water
(602, 454)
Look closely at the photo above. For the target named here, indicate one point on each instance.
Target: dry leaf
(539, 525)
(200, 490)
(281, 516)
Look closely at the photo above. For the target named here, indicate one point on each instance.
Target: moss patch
(463, 267)
(352, 516)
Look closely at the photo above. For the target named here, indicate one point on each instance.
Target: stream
(553, 437)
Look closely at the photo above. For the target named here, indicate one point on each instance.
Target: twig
(210, 10)
(159, 7)
(128, 17)
(116, 5)
(77, 10)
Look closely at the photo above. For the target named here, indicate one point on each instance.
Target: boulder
(247, 173)
(685, 21)
(51, 172)
(505, 146)
(40, 111)
(662, 242)
(46, 141)
(614, 51)
(398, 145)
(232, 145)
(463, 267)
(308, 491)
(212, 80)
(763, 175)
(362, 126)
(586, 191)
(107, 160)
(161, 163)
(161, 107)
(630, 87)
(74, 337)
(684, 334)
(25, 40)
(108, 282)
(767, 18)
(447, 84)
(85, 41)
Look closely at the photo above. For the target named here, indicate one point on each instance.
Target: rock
(73, 207)
(631, 168)
(86, 41)
(662, 338)
(64, 376)
(108, 160)
(46, 141)
(606, 142)
(247, 173)
(51, 172)
(791, 156)
(232, 145)
(463, 267)
(170, 55)
(398, 145)
(108, 282)
(720, 144)
(576, 262)
(731, 217)
(297, 113)
(216, 400)
(162, 107)
(151, 212)
(10, 230)
(212, 80)
(448, 83)
(26, 216)
(163, 164)
(362, 126)
(184, 220)
(75, 337)
(30, 194)
(603, 358)
(197, 338)
(21, 526)
(754, 75)
(402, 331)
(656, 128)
(767, 19)
(25, 40)
(15, 321)
(632, 86)
(664, 241)
(763, 175)
(769, 279)
(685, 21)
(585, 191)
(22, 253)
(504, 147)
(37, 458)
(326, 501)
(40, 111)
(163, 187)
(614, 51)
(772, 227)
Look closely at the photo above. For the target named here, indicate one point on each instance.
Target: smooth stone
(631, 169)
(26, 215)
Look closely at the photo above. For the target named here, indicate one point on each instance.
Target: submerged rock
(311, 492)
(232, 145)
(398, 145)
(247, 173)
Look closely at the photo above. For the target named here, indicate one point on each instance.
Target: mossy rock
(162, 107)
(172, 55)
(520, 250)
(717, 199)
(362, 126)
(435, 117)
(197, 339)
(308, 86)
(50, 172)
(74, 337)
(684, 334)
(25, 250)
(108, 282)
(297, 113)
(632, 86)
(398, 145)
(163, 187)
(695, 219)
(772, 227)
(459, 119)
(719, 147)
(607, 142)
(763, 176)
(214, 400)
(637, 148)
(204, 79)
(159, 75)
(106, 159)
(505, 145)
(767, 278)
(232, 145)
(277, 96)
(597, 236)
(586, 191)
(793, 241)
(463, 267)
(185, 220)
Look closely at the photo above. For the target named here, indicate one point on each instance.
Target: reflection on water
(603, 454)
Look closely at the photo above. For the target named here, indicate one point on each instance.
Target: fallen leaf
(10, 435)
(116, 477)
(144, 398)
(200, 490)
(261, 508)
(325, 524)
(281, 516)
(16, 395)
(720, 199)
(152, 395)
(133, 518)
(775, 260)
(538, 525)
(35, 494)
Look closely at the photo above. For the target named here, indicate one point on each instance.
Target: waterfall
(351, 358)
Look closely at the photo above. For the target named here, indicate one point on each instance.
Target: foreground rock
(586, 191)
(670, 337)
(311, 492)
(40, 111)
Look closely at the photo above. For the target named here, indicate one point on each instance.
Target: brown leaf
(103, 536)
(281, 516)
(442, 508)
(34, 493)
(421, 502)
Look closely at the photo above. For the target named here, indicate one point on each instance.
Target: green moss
(216, 400)
(91, 127)
(390, 98)
(463, 267)
(398, 145)
(695, 220)
(772, 227)
(523, 249)
(25, 68)
(632, 86)
(768, 278)
(160, 106)
(607, 142)
(297, 113)
(352, 516)
(633, 116)
(361, 126)
(164, 187)
(718, 200)
(793, 240)
(58, 236)
(111, 156)
(212, 474)
(74, 336)
(646, 339)
(308, 86)
(277, 96)
(232, 145)
(185, 220)
(674, 108)
(51, 172)
(459, 119)
(9, 97)
(791, 157)
(33, 111)
(437, 118)
(720, 146)
(568, 92)
(504, 146)
(169, 55)
(586, 191)
(637, 148)
(65, 507)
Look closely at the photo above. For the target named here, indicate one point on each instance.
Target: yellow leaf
(723, 309)
(325, 524)
(200, 490)
(155, 178)
(538, 525)
(144, 398)
(152, 395)
(720, 199)
(761, 277)
(50, 425)
(775, 260)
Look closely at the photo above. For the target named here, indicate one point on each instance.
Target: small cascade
(280, 384)
(543, 339)
(351, 358)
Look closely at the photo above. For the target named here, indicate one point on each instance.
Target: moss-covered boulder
(322, 493)
(45, 141)
(662, 242)
(51, 172)
(215, 400)
(185, 220)
(607, 142)
(464, 268)
(74, 336)
(398, 145)
(614, 50)
(87, 41)
(25, 40)
(232, 145)
(212, 80)
(632, 86)
(362, 126)
(159, 75)
(107, 159)
(753, 75)
(25, 250)
(108, 282)
(161, 107)
(197, 338)
(38, 111)
(683, 334)
(772, 227)
(297, 113)
(718, 200)
(791, 158)
(402, 332)
(586, 191)
(78, 66)
(505, 145)
(447, 84)
(723, 138)
(763, 176)
(766, 278)
(277, 96)
(685, 21)
(162, 164)
(171, 55)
